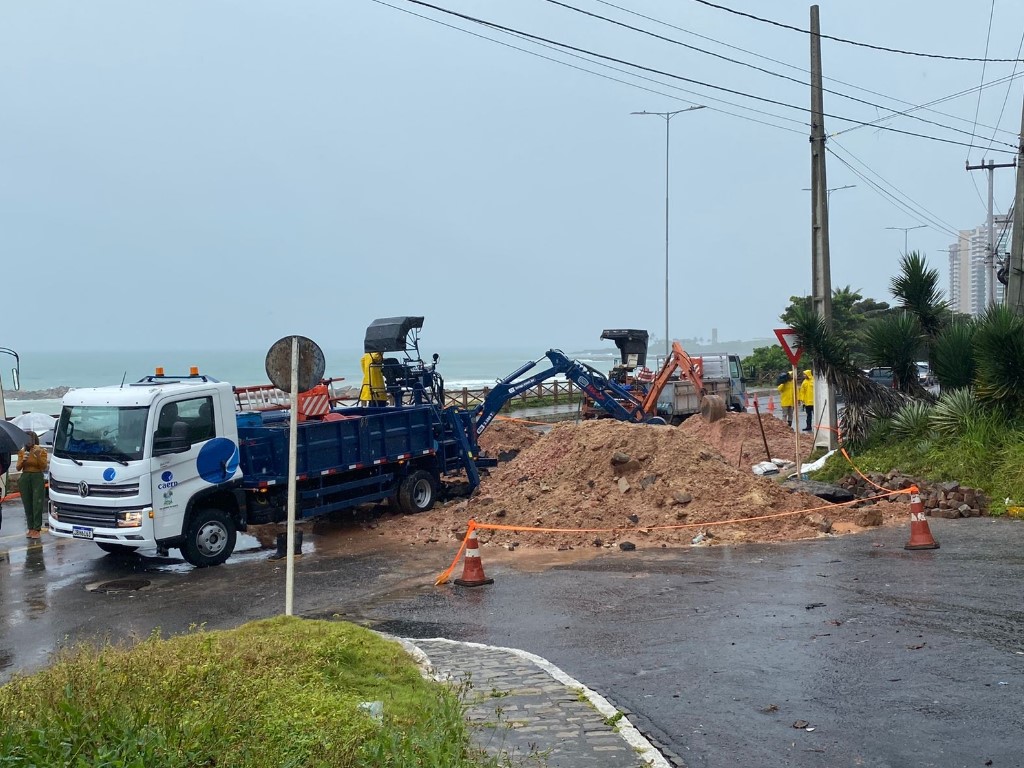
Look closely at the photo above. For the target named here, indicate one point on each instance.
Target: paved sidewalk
(524, 708)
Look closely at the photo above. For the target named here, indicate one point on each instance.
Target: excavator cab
(632, 344)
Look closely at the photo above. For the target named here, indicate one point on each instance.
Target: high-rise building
(968, 276)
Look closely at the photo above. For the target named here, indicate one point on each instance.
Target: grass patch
(987, 454)
(275, 693)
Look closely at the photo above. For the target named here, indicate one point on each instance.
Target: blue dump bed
(351, 439)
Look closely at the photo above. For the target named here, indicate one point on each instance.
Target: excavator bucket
(712, 408)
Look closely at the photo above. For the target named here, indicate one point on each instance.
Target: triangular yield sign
(790, 342)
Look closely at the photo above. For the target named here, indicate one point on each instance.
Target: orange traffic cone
(920, 534)
(472, 567)
(771, 405)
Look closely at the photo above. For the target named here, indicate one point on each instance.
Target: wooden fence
(545, 393)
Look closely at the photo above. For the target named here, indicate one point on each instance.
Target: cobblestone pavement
(523, 708)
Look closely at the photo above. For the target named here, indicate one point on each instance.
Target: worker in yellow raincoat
(373, 392)
(807, 397)
(787, 397)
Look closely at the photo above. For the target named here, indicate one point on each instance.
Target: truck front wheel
(210, 538)
(417, 493)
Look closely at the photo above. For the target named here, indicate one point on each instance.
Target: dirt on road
(604, 483)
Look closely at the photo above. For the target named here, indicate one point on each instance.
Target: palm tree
(917, 289)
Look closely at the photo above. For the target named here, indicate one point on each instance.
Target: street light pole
(668, 119)
(905, 231)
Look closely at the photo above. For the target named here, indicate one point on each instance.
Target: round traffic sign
(310, 363)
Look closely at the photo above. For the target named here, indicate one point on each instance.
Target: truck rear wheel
(417, 493)
(210, 538)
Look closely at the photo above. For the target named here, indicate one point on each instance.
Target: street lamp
(668, 119)
(905, 231)
(828, 192)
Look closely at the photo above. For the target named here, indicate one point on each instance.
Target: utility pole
(1015, 278)
(990, 256)
(821, 277)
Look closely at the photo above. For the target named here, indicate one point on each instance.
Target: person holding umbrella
(32, 462)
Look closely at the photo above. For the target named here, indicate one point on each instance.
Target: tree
(765, 363)
(850, 314)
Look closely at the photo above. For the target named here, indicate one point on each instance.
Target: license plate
(80, 532)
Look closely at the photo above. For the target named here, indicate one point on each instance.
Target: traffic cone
(920, 534)
(472, 567)
(771, 405)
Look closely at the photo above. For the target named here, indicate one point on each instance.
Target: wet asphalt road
(894, 658)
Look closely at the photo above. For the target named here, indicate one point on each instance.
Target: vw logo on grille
(83, 489)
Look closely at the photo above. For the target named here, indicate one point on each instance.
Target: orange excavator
(712, 407)
(647, 386)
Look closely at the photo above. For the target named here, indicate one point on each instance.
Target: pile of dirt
(504, 437)
(610, 482)
(738, 438)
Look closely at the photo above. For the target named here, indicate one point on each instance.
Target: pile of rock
(947, 500)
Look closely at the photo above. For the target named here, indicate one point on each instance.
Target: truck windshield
(101, 432)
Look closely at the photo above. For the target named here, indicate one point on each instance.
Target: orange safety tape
(912, 489)
(8, 497)
(443, 578)
(473, 524)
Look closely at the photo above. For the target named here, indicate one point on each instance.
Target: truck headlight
(131, 519)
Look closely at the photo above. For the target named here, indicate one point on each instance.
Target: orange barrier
(473, 567)
(920, 533)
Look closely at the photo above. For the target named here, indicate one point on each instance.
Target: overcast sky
(219, 173)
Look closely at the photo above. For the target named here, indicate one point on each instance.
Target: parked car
(881, 376)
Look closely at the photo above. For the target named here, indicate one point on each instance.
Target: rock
(648, 481)
(964, 510)
(508, 455)
(620, 458)
(832, 493)
(680, 515)
(484, 501)
(819, 521)
(681, 497)
(627, 546)
(623, 485)
(598, 543)
(869, 518)
(950, 487)
(545, 488)
(946, 513)
(633, 519)
(500, 513)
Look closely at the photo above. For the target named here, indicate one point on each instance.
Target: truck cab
(150, 465)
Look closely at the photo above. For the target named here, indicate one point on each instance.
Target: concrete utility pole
(821, 277)
(1015, 278)
(990, 256)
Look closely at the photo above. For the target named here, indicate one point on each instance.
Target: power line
(1006, 97)
(703, 97)
(642, 31)
(853, 42)
(830, 79)
(566, 46)
(977, 105)
(917, 211)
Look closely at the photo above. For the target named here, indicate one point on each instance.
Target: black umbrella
(12, 437)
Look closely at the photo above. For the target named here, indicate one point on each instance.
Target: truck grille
(96, 517)
(97, 490)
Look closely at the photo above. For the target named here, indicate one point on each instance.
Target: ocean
(472, 368)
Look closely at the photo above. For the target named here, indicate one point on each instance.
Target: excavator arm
(620, 403)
